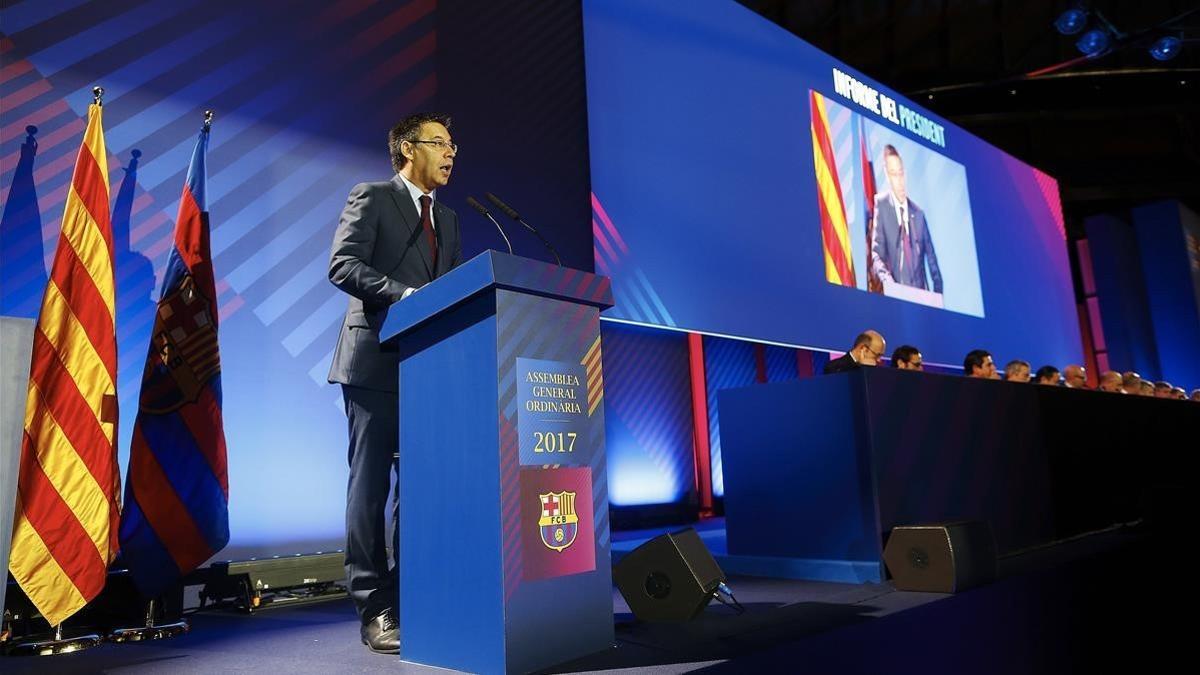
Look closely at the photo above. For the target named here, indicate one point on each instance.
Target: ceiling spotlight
(1094, 42)
(1166, 47)
(1071, 21)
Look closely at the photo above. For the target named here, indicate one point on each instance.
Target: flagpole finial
(208, 118)
(98, 95)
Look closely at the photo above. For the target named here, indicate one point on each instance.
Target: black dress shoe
(382, 634)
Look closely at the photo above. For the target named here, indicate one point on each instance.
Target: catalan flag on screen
(177, 488)
(835, 233)
(67, 509)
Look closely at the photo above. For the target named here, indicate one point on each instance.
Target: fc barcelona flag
(64, 532)
(177, 489)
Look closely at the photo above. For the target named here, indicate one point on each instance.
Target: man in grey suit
(902, 245)
(393, 238)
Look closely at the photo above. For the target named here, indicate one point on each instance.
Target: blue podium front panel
(554, 488)
(504, 547)
(451, 588)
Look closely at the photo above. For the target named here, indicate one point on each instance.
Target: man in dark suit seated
(1075, 376)
(1048, 375)
(1016, 371)
(394, 237)
(1111, 381)
(908, 357)
(979, 364)
(868, 348)
(1131, 382)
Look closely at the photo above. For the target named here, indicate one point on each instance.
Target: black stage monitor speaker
(672, 577)
(941, 558)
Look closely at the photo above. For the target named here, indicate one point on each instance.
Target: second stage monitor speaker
(941, 558)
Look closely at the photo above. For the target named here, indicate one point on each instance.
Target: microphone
(474, 203)
(511, 213)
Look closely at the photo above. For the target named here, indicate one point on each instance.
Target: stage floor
(1093, 601)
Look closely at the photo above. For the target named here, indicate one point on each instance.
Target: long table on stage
(818, 471)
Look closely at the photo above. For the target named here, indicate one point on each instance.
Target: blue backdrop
(304, 95)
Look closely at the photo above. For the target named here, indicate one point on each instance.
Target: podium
(504, 532)
(912, 294)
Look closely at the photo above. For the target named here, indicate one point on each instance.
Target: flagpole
(151, 630)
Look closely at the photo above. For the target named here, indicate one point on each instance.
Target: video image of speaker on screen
(895, 215)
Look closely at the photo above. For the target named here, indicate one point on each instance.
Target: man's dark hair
(974, 360)
(1163, 385)
(1045, 372)
(904, 353)
(407, 130)
(890, 149)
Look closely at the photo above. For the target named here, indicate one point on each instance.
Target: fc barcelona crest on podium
(558, 528)
(559, 524)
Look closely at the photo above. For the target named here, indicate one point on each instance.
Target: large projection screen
(746, 184)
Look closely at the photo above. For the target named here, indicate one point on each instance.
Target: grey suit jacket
(887, 245)
(379, 252)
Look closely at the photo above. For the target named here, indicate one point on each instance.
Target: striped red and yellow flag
(835, 233)
(65, 530)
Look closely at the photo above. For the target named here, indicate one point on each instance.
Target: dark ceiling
(1116, 131)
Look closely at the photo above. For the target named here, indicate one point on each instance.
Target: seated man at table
(1111, 381)
(1131, 382)
(1047, 375)
(1017, 371)
(979, 364)
(908, 357)
(868, 348)
(1075, 376)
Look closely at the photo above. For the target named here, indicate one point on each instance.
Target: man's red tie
(427, 226)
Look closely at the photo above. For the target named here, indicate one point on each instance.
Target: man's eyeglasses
(442, 145)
